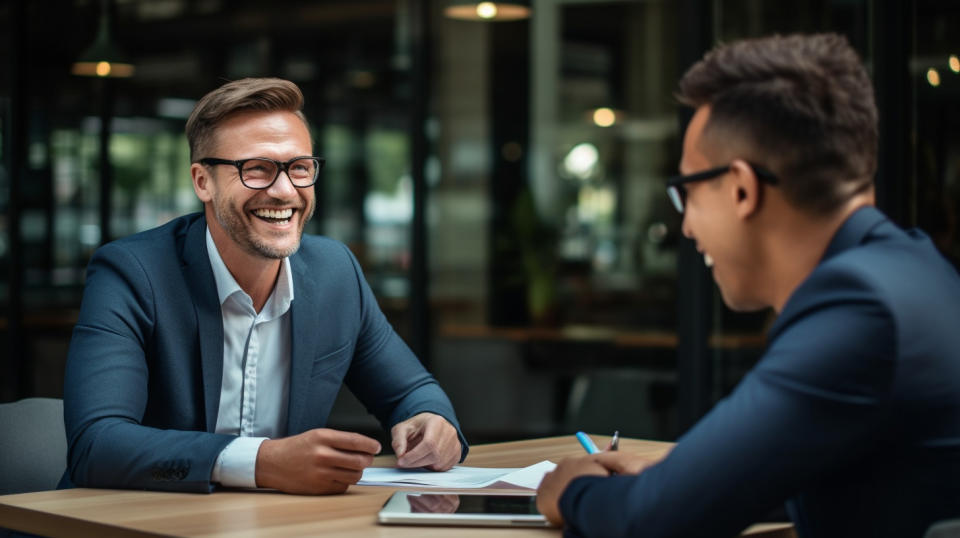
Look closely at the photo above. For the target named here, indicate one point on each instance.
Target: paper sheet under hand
(459, 477)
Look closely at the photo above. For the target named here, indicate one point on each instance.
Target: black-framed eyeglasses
(678, 193)
(260, 172)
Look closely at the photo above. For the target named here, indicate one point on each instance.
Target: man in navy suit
(210, 350)
(852, 416)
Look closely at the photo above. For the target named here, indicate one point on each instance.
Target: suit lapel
(203, 289)
(304, 339)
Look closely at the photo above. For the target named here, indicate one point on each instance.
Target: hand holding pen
(601, 464)
(591, 448)
(614, 461)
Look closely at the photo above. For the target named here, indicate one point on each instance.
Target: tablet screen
(451, 503)
(429, 508)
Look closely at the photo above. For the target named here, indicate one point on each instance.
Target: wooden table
(104, 513)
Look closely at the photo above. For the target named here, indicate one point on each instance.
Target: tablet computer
(481, 509)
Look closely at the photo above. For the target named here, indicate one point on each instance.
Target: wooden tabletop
(104, 513)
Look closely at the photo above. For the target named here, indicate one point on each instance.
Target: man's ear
(746, 189)
(202, 182)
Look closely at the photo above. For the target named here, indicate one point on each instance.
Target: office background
(501, 181)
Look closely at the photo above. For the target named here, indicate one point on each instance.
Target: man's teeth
(279, 214)
(707, 260)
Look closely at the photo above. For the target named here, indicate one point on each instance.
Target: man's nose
(685, 228)
(283, 186)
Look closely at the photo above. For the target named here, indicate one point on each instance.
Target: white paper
(529, 477)
(459, 477)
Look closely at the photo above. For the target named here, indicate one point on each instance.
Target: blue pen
(587, 443)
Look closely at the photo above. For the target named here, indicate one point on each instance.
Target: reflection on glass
(434, 503)
(448, 503)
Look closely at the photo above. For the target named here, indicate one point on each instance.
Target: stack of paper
(458, 477)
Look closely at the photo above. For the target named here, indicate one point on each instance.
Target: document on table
(458, 477)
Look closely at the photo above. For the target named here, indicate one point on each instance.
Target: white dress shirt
(256, 370)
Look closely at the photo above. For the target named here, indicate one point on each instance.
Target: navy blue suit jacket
(852, 415)
(144, 369)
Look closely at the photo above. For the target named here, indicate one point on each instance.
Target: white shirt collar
(280, 297)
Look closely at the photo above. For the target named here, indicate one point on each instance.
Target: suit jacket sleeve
(106, 387)
(385, 374)
(813, 402)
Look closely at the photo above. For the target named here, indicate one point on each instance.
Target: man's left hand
(426, 440)
(555, 482)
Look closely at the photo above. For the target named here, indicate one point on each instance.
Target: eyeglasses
(678, 193)
(260, 172)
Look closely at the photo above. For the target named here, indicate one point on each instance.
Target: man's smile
(707, 259)
(274, 216)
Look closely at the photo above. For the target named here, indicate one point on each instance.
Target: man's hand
(555, 482)
(601, 464)
(319, 461)
(426, 440)
(624, 462)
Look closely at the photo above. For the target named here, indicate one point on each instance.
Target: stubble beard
(233, 224)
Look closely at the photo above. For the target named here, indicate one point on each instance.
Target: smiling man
(852, 416)
(210, 350)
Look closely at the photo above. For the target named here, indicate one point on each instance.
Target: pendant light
(509, 10)
(103, 58)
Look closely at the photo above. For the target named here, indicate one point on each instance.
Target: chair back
(33, 445)
(948, 528)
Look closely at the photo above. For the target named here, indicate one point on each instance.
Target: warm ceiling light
(486, 10)
(604, 117)
(933, 77)
(103, 58)
(472, 10)
(954, 63)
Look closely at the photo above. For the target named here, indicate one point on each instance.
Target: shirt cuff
(236, 465)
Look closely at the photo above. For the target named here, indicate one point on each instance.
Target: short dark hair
(264, 94)
(800, 105)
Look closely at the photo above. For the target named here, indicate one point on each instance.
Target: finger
(350, 441)
(442, 466)
(621, 464)
(450, 457)
(418, 448)
(429, 448)
(399, 434)
(333, 458)
(345, 476)
(610, 460)
(419, 456)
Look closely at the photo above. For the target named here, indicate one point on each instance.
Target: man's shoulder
(155, 239)
(896, 264)
(315, 248)
(160, 250)
(894, 273)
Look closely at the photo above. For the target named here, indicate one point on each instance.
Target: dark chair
(33, 445)
(948, 528)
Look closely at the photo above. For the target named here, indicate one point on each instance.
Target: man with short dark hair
(210, 350)
(852, 416)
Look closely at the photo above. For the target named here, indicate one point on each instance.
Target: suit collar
(280, 297)
(304, 335)
(854, 230)
(203, 289)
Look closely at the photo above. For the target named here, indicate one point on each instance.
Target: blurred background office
(497, 168)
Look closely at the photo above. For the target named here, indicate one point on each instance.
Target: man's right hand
(320, 461)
